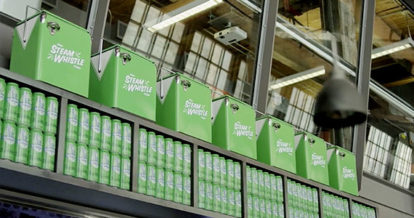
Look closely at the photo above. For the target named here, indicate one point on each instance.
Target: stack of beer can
(362, 211)
(164, 167)
(265, 193)
(98, 148)
(219, 184)
(28, 126)
(303, 200)
(334, 206)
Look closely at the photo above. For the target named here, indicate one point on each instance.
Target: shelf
(55, 185)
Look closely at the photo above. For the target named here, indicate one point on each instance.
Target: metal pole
(362, 80)
(264, 55)
(96, 22)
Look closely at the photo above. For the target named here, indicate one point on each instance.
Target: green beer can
(160, 151)
(209, 196)
(178, 188)
(52, 110)
(217, 197)
(106, 128)
(224, 202)
(256, 206)
(186, 159)
(49, 151)
(249, 179)
(160, 187)
(260, 176)
(72, 123)
(262, 207)
(201, 165)
(2, 96)
(93, 164)
(125, 173)
(255, 181)
(209, 166)
(223, 171)
(83, 131)
(22, 146)
(216, 169)
(275, 209)
(250, 206)
(25, 107)
(279, 188)
(237, 176)
(186, 190)
(238, 203)
(70, 159)
(11, 106)
(38, 111)
(201, 194)
(115, 174)
(8, 142)
(82, 161)
(104, 167)
(152, 148)
(231, 203)
(95, 129)
(267, 193)
(230, 174)
(273, 187)
(143, 145)
(142, 178)
(178, 154)
(169, 154)
(126, 140)
(116, 145)
(36, 148)
(169, 185)
(151, 180)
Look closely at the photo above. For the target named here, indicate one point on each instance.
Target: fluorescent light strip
(298, 77)
(392, 48)
(184, 12)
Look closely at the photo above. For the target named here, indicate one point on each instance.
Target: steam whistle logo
(242, 130)
(317, 160)
(348, 173)
(284, 147)
(133, 84)
(192, 108)
(59, 54)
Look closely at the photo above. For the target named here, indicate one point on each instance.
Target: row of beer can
(92, 129)
(334, 206)
(30, 147)
(219, 170)
(264, 185)
(24, 108)
(303, 200)
(259, 207)
(218, 198)
(362, 211)
(161, 152)
(164, 183)
(97, 165)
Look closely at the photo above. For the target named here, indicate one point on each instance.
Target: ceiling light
(392, 48)
(183, 12)
(298, 77)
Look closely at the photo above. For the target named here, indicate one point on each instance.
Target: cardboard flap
(28, 32)
(163, 87)
(105, 56)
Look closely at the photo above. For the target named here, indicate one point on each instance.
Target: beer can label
(224, 201)
(52, 109)
(50, 145)
(12, 94)
(73, 116)
(201, 194)
(142, 177)
(105, 161)
(9, 132)
(187, 190)
(125, 173)
(22, 144)
(106, 127)
(169, 150)
(40, 106)
(160, 187)
(143, 148)
(160, 145)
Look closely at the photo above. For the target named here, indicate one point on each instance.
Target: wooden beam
(401, 82)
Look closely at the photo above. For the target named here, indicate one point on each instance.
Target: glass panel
(189, 45)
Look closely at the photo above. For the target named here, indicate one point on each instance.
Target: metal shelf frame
(54, 185)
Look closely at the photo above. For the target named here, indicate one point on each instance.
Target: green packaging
(201, 194)
(126, 140)
(25, 107)
(216, 169)
(70, 159)
(22, 144)
(11, 106)
(201, 165)
(95, 132)
(116, 145)
(104, 167)
(82, 161)
(106, 135)
(186, 190)
(36, 148)
(72, 123)
(52, 107)
(142, 178)
(152, 148)
(151, 180)
(216, 197)
(38, 110)
(125, 173)
(49, 152)
(169, 154)
(169, 185)
(8, 143)
(160, 187)
(160, 151)
(93, 164)
(186, 159)
(209, 166)
(143, 145)
(178, 188)
(178, 154)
